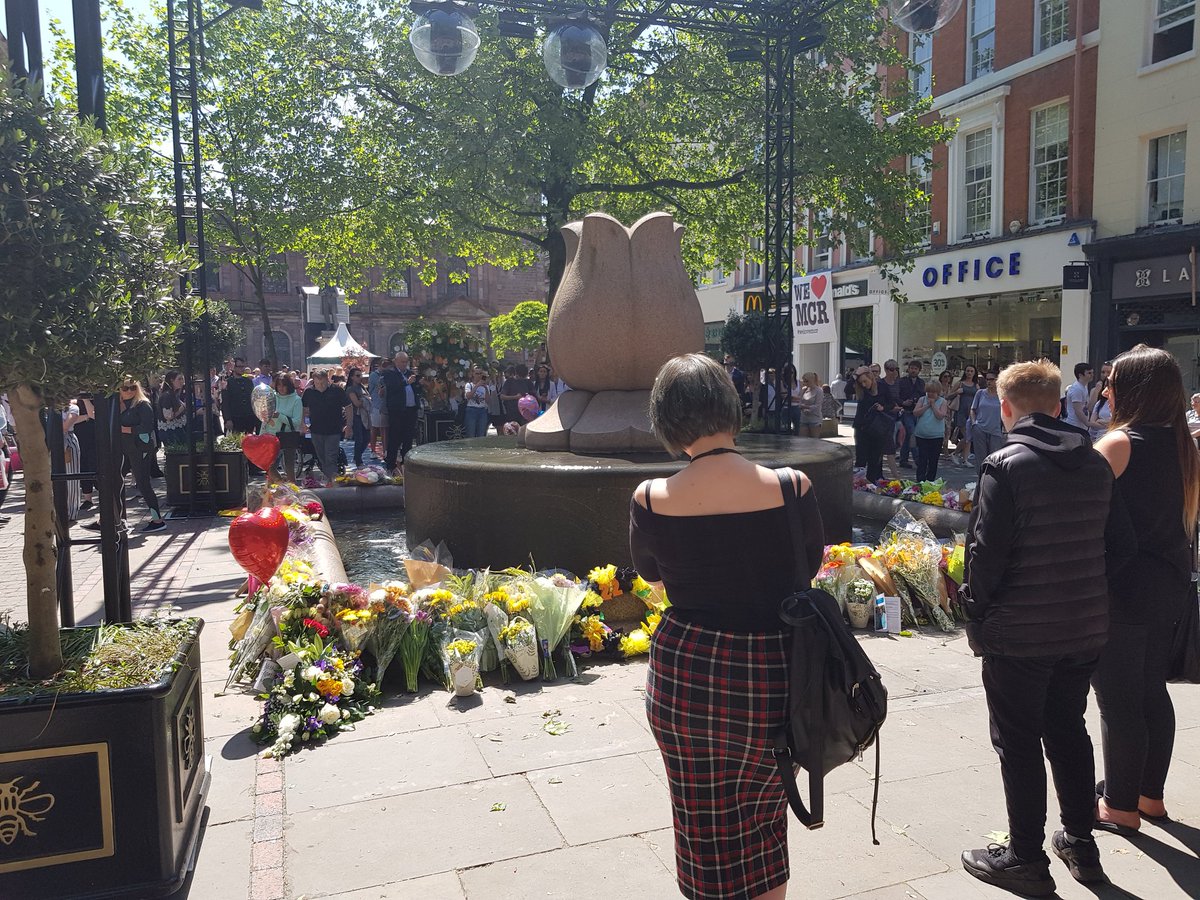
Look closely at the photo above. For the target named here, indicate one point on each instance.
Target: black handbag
(880, 426)
(1184, 667)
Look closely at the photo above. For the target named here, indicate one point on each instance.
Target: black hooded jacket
(1045, 511)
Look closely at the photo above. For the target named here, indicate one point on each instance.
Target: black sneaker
(999, 866)
(85, 505)
(153, 525)
(1081, 857)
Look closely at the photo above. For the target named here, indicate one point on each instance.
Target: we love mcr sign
(813, 309)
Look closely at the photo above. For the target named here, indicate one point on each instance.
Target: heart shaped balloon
(259, 541)
(261, 449)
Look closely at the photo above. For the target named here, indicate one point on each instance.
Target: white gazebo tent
(340, 346)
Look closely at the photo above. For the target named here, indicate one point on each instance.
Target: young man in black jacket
(1036, 595)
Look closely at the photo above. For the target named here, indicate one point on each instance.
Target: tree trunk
(556, 253)
(268, 336)
(41, 551)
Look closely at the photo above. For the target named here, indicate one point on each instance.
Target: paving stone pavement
(439, 799)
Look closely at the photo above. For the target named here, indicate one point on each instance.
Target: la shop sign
(978, 268)
(812, 312)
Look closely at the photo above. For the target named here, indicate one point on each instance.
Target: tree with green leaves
(522, 330)
(226, 333)
(86, 272)
(287, 167)
(508, 157)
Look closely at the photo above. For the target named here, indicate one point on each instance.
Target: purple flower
(312, 724)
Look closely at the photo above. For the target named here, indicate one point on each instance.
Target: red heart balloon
(261, 449)
(259, 541)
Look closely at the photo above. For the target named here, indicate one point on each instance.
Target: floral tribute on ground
(931, 493)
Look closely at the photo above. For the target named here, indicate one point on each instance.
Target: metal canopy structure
(769, 32)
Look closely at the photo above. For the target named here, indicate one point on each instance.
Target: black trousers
(402, 428)
(869, 450)
(1137, 718)
(85, 431)
(139, 456)
(1034, 703)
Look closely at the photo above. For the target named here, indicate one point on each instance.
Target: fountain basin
(497, 505)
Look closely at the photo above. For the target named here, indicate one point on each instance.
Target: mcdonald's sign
(753, 301)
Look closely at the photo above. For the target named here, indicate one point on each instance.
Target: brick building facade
(377, 318)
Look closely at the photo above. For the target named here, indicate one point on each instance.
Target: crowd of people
(1078, 573)
(900, 420)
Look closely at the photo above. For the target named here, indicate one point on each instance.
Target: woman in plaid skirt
(717, 536)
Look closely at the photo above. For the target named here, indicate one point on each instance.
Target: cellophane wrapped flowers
(519, 640)
(393, 612)
(461, 656)
(315, 699)
(914, 557)
(555, 600)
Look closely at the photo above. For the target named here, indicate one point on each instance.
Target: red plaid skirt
(714, 699)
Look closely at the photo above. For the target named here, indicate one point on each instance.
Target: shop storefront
(1146, 293)
(861, 319)
(994, 304)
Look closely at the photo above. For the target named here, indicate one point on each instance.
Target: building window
(275, 280)
(283, 348)
(1167, 155)
(1053, 24)
(212, 279)
(1174, 28)
(920, 54)
(395, 343)
(859, 243)
(823, 250)
(921, 211)
(977, 183)
(1050, 142)
(401, 288)
(981, 38)
(718, 276)
(754, 271)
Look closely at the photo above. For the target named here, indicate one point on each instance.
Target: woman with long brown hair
(1157, 471)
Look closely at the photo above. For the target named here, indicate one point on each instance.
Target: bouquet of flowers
(315, 699)
(469, 616)
(518, 639)
(412, 646)
(839, 569)
(460, 655)
(393, 613)
(555, 600)
(355, 627)
(913, 556)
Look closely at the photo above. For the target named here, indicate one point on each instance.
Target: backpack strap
(781, 750)
(791, 503)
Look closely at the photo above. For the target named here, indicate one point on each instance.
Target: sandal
(1149, 817)
(1110, 827)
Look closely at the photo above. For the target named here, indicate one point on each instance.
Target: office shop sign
(812, 309)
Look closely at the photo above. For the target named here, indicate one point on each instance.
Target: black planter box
(230, 474)
(439, 426)
(102, 794)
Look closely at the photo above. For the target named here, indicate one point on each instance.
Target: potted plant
(102, 772)
(230, 473)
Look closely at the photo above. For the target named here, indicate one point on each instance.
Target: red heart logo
(259, 541)
(261, 449)
(818, 284)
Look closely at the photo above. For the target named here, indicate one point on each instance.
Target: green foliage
(227, 334)
(755, 340)
(522, 329)
(86, 266)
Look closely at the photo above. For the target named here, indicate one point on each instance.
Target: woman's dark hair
(972, 367)
(947, 374)
(168, 382)
(354, 371)
(284, 380)
(790, 378)
(693, 397)
(1147, 389)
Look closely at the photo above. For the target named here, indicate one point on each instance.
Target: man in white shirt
(1077, 396)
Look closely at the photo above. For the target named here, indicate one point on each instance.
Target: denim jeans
(477, 421)
(910, 424)
(361, 433)
(325, 446)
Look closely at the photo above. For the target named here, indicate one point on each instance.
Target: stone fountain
(558, 494)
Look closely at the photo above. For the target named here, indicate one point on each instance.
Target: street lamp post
(769, 32)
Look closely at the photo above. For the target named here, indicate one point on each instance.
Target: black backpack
(836, 699)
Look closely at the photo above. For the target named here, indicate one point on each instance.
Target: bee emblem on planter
(18, 809)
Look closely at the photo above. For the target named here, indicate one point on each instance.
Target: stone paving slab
(399, 838)
(622, 867)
